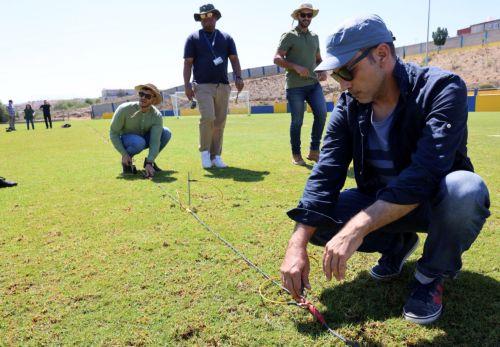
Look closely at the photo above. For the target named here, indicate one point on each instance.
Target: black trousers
(48, 121)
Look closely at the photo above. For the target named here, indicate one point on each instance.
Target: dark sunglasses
(345, 72)
(145, 95)
(305, 15)
(206, 15)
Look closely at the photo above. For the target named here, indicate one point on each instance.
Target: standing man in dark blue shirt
(404, 127)
(46, 114)
(206, 53)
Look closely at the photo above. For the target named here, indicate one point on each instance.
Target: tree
(3, 113)
(439, 36)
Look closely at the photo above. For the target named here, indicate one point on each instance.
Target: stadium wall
(487, 103)
(486, 100)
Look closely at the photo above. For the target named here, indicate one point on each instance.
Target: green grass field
(90, 258)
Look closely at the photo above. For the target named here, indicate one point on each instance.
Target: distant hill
(479, 67)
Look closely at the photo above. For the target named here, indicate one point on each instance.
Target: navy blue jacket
(428, 140)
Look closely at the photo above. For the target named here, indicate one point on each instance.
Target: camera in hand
(193, 104)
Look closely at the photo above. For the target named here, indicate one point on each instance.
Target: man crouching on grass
(138, 125)
(404, 127)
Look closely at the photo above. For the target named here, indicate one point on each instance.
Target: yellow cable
(266, 299)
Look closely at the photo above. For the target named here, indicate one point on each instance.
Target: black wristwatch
(238, 78)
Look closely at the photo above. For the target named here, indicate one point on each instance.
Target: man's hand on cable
(295, 267)
(295, 271)
(338, 250)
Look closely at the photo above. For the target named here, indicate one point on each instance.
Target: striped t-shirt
(379, 154)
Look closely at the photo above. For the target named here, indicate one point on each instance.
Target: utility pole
(427, 41)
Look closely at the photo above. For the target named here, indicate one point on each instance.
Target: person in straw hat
(298, 52)
(137, 125)
(206, 54)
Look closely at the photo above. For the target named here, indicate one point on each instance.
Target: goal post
(239, 103)
(179, 102)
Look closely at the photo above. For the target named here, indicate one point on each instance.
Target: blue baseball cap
(351, 36)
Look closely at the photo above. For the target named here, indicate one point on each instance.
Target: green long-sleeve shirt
(29, 113)
(129, 119)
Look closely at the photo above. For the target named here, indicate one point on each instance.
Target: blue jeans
(135, 144)
(452, 220)
(313, 94)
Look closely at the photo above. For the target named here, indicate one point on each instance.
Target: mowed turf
(90, 258)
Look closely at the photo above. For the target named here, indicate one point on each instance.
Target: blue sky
(74, 48)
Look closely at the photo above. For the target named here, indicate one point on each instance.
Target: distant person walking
(12, 116)
(29, 115)
(46, 114)
(298, 53)
(137, 125)
(205, 54)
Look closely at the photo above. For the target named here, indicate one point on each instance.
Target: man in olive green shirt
(298, 52)
(138, 125)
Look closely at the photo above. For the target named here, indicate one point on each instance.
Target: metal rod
(189, 190)
(427, 41)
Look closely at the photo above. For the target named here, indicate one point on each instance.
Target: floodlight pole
(427, 41)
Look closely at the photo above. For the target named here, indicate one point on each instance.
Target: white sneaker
(205, 160)
(217, 162)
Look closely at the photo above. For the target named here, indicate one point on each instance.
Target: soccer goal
(239, 103)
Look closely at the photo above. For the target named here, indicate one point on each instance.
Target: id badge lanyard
(211, 45)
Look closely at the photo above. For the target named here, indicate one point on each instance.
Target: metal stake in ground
(189, 189)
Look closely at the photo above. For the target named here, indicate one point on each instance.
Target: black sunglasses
(145, 95)
(345, 72)
(305, 15)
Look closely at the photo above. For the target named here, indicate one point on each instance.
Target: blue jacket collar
(402, 78)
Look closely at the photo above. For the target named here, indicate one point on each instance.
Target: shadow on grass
(470, 309)
(160, 177)
(237, 174)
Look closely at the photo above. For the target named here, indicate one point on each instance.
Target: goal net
(239, 103)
